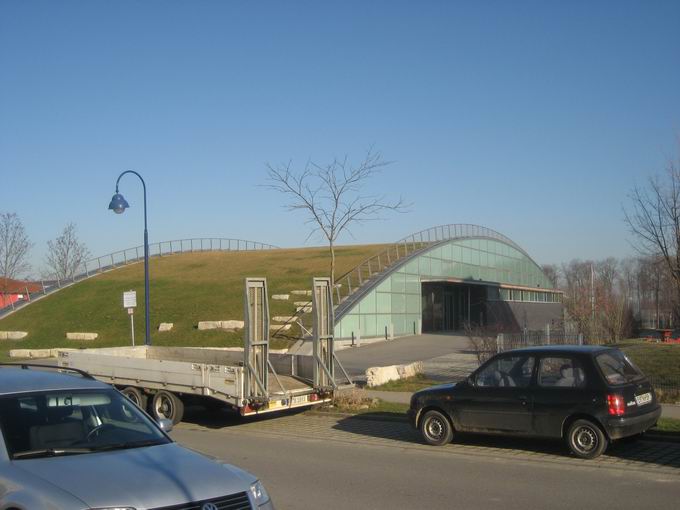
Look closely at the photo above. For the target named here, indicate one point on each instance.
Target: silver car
(69, 442)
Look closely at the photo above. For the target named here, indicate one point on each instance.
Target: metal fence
(663, 373)
(526, 338)
(122, 258)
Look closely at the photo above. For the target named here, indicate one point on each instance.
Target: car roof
(585, 349)
(19, 380)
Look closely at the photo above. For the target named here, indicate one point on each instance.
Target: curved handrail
(120, 258)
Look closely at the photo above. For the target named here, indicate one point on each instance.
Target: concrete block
(301, 292)
(303, 308)
(228, 325)
(29, 353)
(280, 327)
(302, 303)
(232, 324)
(281, 297)
(375, 376)
(82, 336)
(284, 318)
(13, 335)
(165, 326)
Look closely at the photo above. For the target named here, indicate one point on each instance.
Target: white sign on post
(130, 302)
(130, 299)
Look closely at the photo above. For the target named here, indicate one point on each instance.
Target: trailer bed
(214, 373)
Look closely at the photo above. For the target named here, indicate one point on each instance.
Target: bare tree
(66, 253)
(654, 219)
(14, 248)
(553, 274)
(332, 195)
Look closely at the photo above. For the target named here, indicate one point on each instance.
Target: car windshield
(617, 368)
(73, 422)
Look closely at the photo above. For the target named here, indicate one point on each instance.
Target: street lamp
(118, 205)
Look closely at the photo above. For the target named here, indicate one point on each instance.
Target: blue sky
(531, 118)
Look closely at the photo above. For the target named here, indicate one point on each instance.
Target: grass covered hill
(185, 289)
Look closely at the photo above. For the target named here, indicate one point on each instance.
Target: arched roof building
(453, 275)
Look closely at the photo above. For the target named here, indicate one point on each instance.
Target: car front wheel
(586, 440)
(436, 428)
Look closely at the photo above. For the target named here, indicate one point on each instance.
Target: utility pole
(592, 295)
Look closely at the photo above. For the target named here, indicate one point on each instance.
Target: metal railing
(121, 258)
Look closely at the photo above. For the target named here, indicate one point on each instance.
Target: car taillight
(616, 405)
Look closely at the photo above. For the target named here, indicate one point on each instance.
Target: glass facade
(394, 305)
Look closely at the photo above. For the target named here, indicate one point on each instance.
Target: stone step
(284, 318)
(13, 335)
(301, 292)
(82, 336)
(229, 325)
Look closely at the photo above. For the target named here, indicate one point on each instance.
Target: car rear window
(617, 368)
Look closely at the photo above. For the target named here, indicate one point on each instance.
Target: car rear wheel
(436, 428)
(167, 406)
(586, 440)
(136, 396)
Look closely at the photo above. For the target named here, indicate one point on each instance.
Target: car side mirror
(165, 425)
(470, 381)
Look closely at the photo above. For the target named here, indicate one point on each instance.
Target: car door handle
(523, 399)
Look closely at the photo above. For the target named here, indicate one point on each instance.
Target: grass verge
(410, 384)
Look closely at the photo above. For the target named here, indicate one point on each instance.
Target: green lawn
(667, 425)
(661, 363)
(374, 407)
(185, 289)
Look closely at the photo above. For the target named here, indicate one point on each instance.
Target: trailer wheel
(136, 396)
(166, 405)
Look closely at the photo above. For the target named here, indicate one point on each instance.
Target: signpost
(130, 302)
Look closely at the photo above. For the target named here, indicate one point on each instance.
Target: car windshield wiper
(127, 444)
(50, 452)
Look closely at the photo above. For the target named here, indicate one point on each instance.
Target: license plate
(300, 399)
(645, 398)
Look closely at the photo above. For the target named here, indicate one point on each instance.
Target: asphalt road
(312, 462)
(400, 351)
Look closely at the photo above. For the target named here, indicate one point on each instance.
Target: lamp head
(118, 204)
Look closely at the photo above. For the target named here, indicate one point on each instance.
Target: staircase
(353, 285)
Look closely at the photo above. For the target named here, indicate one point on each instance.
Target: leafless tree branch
(331, 195)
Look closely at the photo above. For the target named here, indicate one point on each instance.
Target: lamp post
(118, 205)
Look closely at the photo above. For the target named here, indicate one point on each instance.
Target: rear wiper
(126, 445)
(50, 452)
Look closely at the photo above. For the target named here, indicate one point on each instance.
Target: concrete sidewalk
(404, 397)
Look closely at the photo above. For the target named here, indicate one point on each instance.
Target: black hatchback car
(587, 395)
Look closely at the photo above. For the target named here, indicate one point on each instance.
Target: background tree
(553, 274)
(66, 253)
(14, 249)
(653, 217)
(332, 196)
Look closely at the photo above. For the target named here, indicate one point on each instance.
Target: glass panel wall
(394, 305)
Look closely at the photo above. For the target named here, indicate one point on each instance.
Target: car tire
(165, 405)
(586, 439)
(436, 428)
(136, 396)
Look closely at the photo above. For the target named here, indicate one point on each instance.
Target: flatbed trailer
(251, 380)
